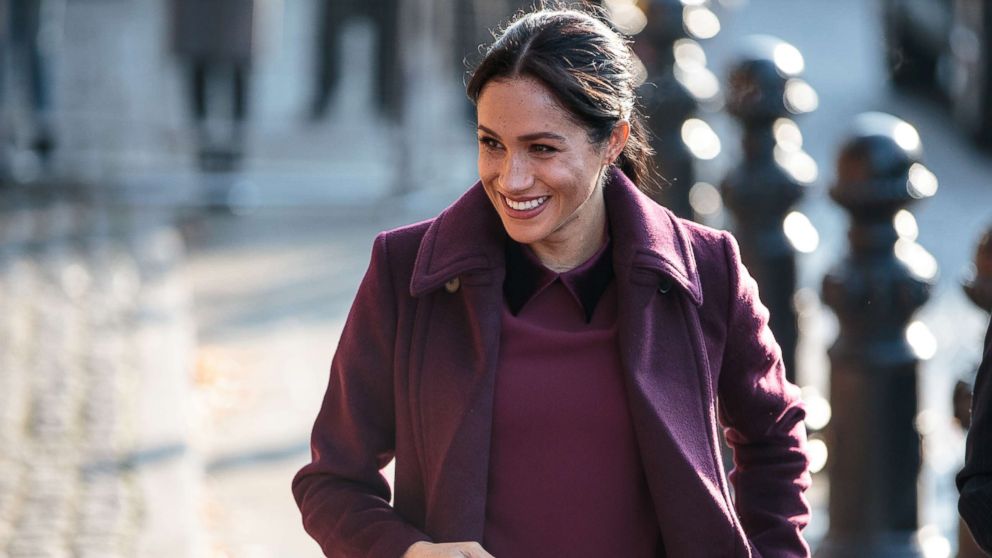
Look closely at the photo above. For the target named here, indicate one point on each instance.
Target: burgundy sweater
(565, 476)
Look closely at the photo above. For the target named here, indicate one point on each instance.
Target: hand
(425, 549)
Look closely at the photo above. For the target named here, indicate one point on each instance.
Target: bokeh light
(700, 82)
(922, 340)
(798, 164)
(801, 233)
(788, 59)
(627, 16)
(920, 262)
(818, 410)
(787, 135)
(689, 54)
(700, 22)
(700, 138)
(933, 543)
(906, 136)
(922, 183)
(705, 199)
(800, 97)
(816, 450)
(905, 225)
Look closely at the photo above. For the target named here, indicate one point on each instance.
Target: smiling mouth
(526, 205)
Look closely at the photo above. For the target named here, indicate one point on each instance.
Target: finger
(475, 550)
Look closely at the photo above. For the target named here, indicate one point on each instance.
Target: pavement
(163, 363)
(94, 417)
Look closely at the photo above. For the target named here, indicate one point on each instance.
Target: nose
(516, 176)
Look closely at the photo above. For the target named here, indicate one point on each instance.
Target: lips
(524, 209)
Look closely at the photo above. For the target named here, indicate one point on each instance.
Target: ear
(617, 141)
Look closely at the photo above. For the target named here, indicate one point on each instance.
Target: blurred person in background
(388, 79)
(550, 359)
(975, 479)
(30, 74)
(5, 177)
(214, 40)
(330, 21)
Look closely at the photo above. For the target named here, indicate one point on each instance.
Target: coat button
(665, 286)
(453, 285)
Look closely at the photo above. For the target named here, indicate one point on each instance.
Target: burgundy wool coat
(975, 479)
(414, 373)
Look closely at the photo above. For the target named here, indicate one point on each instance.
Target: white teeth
(524, 206)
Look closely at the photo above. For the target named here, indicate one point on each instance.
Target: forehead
(522, 105)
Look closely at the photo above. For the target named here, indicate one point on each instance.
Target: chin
(522, 235)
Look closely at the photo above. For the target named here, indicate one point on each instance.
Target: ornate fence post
(764, 91)
(874, 446)
(667, 103)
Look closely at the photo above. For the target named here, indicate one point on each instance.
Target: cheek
(487, 173)
(487, 165)
(483, 163)
(571, 177)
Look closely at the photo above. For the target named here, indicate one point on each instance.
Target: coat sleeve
(975, 479)
(342, 495)
(763, 417)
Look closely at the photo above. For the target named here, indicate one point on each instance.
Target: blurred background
(189, 190)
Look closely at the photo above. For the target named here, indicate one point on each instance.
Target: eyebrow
(527, 137)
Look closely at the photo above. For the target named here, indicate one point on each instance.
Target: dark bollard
(761, 191)
(875, 453)
(978, 287)
(677, 82)
(667, 104)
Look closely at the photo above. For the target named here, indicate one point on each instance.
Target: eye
(543, 149)
(489, 143)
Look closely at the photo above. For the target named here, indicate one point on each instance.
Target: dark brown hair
(589, 68)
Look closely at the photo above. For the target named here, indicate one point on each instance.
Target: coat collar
(468, 238)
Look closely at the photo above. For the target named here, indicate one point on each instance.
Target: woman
(548, 358)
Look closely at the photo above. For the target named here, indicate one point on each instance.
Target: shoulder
(397, 248)
(717, 259)
(405, 239)
(715, 251)
(708, 244)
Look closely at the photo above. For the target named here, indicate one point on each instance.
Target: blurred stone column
(875, 449)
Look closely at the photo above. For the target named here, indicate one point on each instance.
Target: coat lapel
(457, 366)
(457, 382)
(670, 403)
(669, 382)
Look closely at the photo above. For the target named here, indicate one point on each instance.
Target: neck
(575, 242)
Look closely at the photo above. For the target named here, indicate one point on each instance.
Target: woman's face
(541, 172)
